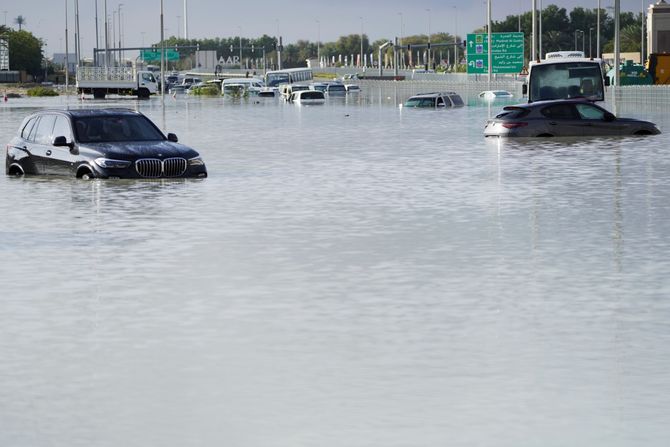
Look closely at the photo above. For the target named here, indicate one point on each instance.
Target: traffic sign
(506, 57)
(155, 55)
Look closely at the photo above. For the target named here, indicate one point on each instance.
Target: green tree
(25, 52)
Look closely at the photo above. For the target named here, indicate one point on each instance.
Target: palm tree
(20, 20)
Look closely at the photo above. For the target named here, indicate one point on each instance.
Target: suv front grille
(154, 168)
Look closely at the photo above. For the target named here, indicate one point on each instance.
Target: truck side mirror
(524, 89)
(607, 81)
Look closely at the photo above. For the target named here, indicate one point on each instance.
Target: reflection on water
(351, 274)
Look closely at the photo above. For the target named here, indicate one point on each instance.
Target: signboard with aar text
(506, 55)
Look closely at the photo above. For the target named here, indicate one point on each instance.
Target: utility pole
(186, 19)
(76, 30)
(67, 56)
(598, 31)
(488, 30)
(107, 36)
(120, 39)
(360, 61)
(533, 46)
(97, 39)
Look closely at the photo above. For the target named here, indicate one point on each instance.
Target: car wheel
(85, 174)
(642, 132)
(15, 170)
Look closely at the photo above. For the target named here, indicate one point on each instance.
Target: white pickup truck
(100, 81)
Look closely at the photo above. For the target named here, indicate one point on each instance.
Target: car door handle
(49, 152)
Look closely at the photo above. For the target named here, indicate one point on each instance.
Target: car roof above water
(92, 112)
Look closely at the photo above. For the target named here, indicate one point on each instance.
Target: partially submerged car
(307, 97)
(99, 143)
(559, 118)
(435, 100)
(492, 95)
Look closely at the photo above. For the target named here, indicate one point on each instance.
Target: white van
(251, 85)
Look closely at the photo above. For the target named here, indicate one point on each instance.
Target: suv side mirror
(61, 141)
(172, 137)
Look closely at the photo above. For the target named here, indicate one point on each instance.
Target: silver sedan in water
(562, 118)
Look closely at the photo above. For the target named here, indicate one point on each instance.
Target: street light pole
(240, 28)
(107, 35)
(455, 39)
(488, 30)
(533, 44)
(67, 56)
(576, 32)
(402, 55)
(642, 54)
(360, 61)
(590, 47)
(539, 31)
(598, 31)
(120, 39)
(429, 61)
(318, 42)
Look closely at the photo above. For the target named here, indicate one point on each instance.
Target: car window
(33, 131)
(427, 102)
(440, 102)
(62, 128)
(560, 111)
(97, 129)
(456, 100)
(590, 112)
(45, 128)
(25, 133)
(513, 112)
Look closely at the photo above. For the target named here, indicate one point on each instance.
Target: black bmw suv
(99, 143)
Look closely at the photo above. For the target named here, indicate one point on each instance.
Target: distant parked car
(307, 97)
(437, 100)
(495, 94)
(336, 89)
(557, 118)
(98, 143)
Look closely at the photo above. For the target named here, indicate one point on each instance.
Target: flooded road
(352, 275)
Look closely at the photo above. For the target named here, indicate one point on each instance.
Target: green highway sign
(155, 55)
(506, 57)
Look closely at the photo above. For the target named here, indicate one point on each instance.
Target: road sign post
(507, 54)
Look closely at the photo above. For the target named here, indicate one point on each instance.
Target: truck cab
(564, 75)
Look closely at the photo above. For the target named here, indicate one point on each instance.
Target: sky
(292, 19)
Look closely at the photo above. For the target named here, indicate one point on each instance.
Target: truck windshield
(566, 80)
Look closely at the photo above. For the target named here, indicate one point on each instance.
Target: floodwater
(350, 274)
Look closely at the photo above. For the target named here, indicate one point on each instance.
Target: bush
(205, 90)
(41, 91)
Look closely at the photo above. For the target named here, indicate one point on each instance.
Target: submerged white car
(307, 97)
(491, 95)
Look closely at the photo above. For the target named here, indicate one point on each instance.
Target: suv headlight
(196, 161)
(110, 163)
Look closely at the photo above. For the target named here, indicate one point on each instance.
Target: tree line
(560, 31)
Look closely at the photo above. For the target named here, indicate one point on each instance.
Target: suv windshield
(99, 129)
